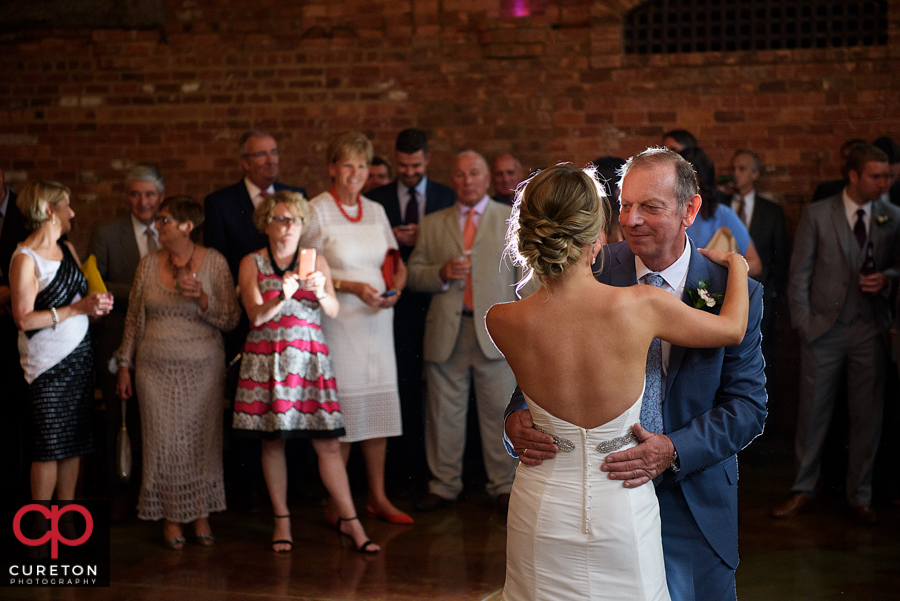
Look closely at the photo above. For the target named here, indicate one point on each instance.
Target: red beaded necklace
(341, 206)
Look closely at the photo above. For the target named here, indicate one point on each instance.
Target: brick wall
(82, 106)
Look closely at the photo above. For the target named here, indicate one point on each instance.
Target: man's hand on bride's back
(531, 446)
(639, 465)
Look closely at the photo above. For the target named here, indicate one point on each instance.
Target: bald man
(462, 247)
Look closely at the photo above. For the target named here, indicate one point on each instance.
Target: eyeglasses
(282, 220)
(261, 154)
(164, 219)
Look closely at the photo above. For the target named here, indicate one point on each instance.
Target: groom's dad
(713, 401)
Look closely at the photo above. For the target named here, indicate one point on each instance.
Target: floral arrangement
(883, 219)
(703, 298)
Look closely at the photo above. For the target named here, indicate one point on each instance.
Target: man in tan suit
(459, 260)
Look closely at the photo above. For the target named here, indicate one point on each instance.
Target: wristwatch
(337, 285)
(281, 296)
(675, 465)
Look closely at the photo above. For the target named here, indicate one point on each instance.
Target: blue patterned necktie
(651, 409)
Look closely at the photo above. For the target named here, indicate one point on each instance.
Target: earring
(53, 221)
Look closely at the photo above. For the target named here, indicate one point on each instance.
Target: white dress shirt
(674, 278)
(749, 203)
(850, 209)
(403, 196)
(141, 238)
(256, 193)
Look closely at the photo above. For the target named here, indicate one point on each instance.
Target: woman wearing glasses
(287, 384)
(181, 301)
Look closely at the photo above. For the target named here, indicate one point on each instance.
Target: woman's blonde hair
(348, 144)
(36, 197)
(295, 203)
(557, 213)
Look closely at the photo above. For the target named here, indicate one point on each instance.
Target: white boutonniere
(883, 219)
(703, 298)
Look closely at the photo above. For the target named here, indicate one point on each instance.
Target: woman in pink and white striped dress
(287, 387)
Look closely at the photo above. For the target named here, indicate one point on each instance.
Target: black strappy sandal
(289, 543)
(363, 548)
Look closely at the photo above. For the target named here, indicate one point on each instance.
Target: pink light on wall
(515, 8)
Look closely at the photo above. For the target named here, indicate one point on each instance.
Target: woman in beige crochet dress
(182, 299)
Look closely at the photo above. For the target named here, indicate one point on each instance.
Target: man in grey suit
(119, 246)
(841, 310)
(458, 259)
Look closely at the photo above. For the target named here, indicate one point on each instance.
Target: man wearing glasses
(228, 226)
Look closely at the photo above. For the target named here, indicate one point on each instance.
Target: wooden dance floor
(458, 554)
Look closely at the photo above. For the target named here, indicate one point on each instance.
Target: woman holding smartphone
(354, 234)
(287, 387)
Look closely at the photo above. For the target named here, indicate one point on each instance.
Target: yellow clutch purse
(92, 274)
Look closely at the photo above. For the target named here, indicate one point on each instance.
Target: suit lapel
(451, 224)
(696, 271)
(841, 228)
(128, 243)
(623, 272)
(876, 236)
(392, 206)
(431, 201)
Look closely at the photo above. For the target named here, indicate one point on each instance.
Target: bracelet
(55, 317)
(281, 296)
(337, 285)
(321, 296)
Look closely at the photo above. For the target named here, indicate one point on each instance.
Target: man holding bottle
(843, 317)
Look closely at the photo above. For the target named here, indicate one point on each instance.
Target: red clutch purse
(389, 267)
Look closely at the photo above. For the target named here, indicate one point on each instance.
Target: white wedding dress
(575, 535)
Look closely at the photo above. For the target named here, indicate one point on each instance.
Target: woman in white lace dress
(353, 233)
(183, 297)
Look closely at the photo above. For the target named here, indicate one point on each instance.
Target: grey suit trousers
(446, 405)
(858, 347)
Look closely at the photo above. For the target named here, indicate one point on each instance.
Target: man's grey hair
(757, 164)
(253, 133)
(145, 173)
(685, 179)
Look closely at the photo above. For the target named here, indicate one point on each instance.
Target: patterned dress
(179, 365)
(58, 363)
(361, 338)
(287, 387)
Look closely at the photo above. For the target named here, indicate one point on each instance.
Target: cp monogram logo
(53, 534)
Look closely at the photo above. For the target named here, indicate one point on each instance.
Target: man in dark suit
(228, 227)
(119, 246)
(840, 305)
(713, 402)
(765, 222)
(406, 200)
(506, 175)
(17, 462)
(891, 148)
(228, 224)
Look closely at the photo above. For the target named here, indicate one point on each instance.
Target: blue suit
(228, 224)
(714, 405)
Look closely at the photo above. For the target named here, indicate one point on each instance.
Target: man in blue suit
(228, 227)
(713, 402)
(406, 201)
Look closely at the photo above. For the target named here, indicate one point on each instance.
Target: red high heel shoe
(393, 518)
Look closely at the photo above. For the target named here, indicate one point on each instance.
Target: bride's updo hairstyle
(557, 213)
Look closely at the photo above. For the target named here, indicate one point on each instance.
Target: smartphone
(388, 293)
(307, 262)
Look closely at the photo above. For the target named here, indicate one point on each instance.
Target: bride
(578, 349)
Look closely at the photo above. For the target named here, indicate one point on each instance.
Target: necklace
(277, 270)
(174, 269)
(341, 206)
